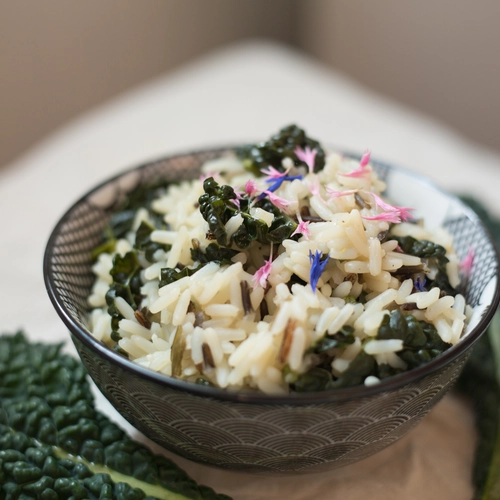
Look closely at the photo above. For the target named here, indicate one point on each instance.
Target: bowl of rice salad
(274, 307)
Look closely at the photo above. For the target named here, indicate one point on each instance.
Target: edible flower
(314, 189)
(251, 188)
(272, 173)
(467, 263)
(239, 196)
(385, 216)
(337, 194)
(307, 155)
(403, 212)
(262, 274)
(303, 229)
(362, 170)
(277, 182)
(276, 200)
(419, 284)
(317, 267)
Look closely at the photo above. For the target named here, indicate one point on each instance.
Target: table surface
(241, 93)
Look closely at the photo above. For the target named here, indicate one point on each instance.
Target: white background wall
(60, 57)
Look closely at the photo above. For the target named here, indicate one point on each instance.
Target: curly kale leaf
(421, 341)
(256, 157)
(143, 241)
(342, 338)
(55, 444)
(217, 207)
(213, 253)
(126, 284)
(434, 255)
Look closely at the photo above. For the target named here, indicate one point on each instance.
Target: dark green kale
(126, 284)
(217, 207)
(421, 340)
(342, 338)
(259, 156)
(435, 257)
(55, 445)
(169, 275)
(213, 253)
(144, 244)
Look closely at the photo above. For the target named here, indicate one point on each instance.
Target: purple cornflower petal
(272, 173)
(251, 188)
(385, 216)
(302, 229)
(467, 263)
(419, 285)
(262, 274)
(307, 155)
(317, 267)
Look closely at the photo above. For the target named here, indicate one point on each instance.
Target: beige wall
(60, 57)
(440, 56)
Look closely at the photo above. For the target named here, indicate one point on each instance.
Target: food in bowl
(280, 269)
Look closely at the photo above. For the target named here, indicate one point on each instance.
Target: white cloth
(242, 93)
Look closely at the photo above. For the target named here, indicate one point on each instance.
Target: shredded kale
(435, 257)
(343, 338)
(217, 207)
(213, 253)
(126, 284)
(143, 241)
(259, 156)
(421, 340)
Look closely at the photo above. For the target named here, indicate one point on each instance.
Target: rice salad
(281, 268)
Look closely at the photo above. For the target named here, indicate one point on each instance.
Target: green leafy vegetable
(143, 241)
(421, 340)
(217, 207)
(55, 445)
(435, 257)
(259, 156)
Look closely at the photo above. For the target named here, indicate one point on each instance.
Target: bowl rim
(248, 397)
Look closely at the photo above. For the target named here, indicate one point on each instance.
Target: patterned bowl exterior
(255, 432)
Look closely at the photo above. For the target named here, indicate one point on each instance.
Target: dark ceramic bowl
(253, 432)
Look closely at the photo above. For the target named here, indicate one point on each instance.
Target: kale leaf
(435, 257)
(421, 340)
(217, 207)
(256, 157)
(55, 444)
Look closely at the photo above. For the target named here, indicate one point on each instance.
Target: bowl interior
(68, 276)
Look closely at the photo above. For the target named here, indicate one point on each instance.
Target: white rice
(233, 343)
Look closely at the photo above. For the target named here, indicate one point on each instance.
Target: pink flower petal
(403, 212)
(314, 189)
(277, 201)
(272, 173)
(303, 229)
(365, 159)
(385, 216)
(467, 263)
(251, 187)
(307, 155)
(337, 194)
(262, 274)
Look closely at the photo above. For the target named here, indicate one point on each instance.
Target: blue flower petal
(317, 267)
